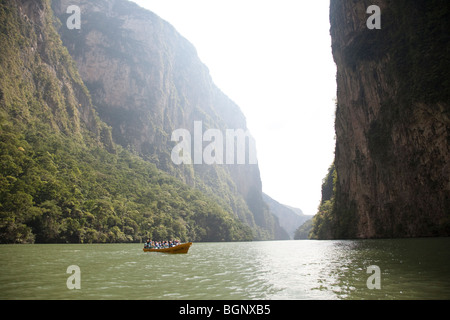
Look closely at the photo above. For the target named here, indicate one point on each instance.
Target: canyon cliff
(392, 161)
(86, 117)
(146, 80)
(290, 218)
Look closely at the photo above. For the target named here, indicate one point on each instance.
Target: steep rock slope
(392, 119)
(290, 218)
(146, 81)
(62, 178)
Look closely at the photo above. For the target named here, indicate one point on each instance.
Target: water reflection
(410, 269)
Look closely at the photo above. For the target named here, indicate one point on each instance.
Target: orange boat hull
(181, 248)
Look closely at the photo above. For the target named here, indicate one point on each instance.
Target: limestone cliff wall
(146, 80)
(392, 119)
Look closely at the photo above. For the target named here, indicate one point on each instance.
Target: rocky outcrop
(392, 119)
(43, 69)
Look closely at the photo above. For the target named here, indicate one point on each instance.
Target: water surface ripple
(409, 269)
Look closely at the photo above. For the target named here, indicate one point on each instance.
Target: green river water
(293, 270)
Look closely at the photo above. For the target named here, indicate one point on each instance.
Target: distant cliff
(290, 218)
(392, 125)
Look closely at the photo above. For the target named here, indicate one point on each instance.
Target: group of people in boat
(161, 244)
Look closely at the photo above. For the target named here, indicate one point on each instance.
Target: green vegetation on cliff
(146, 81)
(62, 179)
(331, 221)
(322, 223)
(56, 190)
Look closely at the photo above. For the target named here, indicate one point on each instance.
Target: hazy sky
(273, 58)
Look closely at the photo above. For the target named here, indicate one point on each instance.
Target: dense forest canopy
(62, 178)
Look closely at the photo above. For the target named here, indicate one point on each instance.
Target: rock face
(67, 176)
(392, 119)
(46, 70)
(290, 218)
(146, 81)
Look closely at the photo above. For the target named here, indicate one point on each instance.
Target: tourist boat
(181, 248)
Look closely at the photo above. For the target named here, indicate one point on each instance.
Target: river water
(293, 270)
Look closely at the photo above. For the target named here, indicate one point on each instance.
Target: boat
(181, 248)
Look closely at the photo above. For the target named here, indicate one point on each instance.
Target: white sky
(273, 58)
